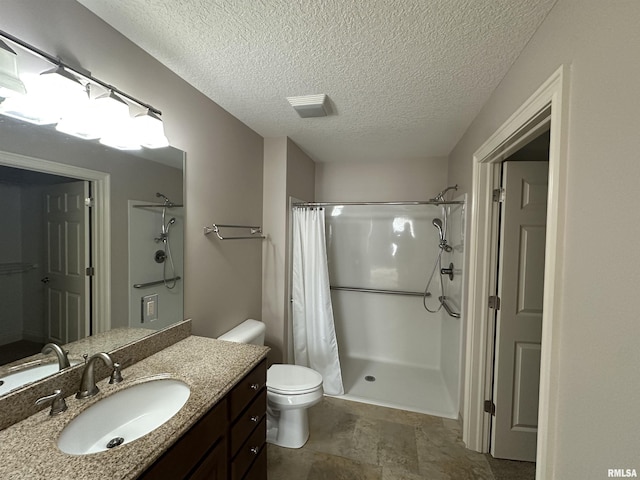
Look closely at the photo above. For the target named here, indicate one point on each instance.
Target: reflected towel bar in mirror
(255, 231)
(157, 282)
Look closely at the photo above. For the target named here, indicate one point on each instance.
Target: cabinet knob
(255, 450)
(254, 418)
(255, 386)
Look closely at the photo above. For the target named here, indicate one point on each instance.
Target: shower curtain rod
(339, 204)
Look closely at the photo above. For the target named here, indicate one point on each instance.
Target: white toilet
(291, 389)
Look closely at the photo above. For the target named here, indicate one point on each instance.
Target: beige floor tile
(288, 463)
(332, 467)
(356, 441)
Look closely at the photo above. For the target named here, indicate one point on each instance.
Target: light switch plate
(149, 308)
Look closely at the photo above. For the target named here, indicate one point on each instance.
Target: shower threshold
(404, 387)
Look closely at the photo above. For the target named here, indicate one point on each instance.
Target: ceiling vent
(310, 105)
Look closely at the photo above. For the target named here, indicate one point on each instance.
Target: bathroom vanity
(219, 432)
(228, 441)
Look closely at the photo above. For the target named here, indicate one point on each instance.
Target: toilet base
(288, 428)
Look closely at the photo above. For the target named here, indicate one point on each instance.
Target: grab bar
(445, 305)
(375, 290)
(157, 282)
(215, 228)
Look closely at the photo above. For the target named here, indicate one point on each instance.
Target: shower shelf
(255, 232)
(386, 292)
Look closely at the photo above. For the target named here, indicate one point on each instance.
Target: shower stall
(395, 271)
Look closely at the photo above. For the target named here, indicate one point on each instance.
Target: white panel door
(67, 285)
(519, 319)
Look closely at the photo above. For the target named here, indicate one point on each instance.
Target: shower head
(438, 224)
(167, 202)
(440, 197)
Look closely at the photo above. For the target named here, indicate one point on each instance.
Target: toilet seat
(292, 379)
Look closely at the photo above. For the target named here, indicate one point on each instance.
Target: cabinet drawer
(258, 470)
(249, 451)
(248, 388)
(248, 420)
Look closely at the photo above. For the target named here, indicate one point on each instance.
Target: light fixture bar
(77, 71)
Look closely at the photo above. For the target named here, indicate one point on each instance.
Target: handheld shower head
(438, 224)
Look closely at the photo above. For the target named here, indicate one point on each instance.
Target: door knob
(45, 279)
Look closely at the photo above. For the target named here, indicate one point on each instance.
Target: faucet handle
(58, 403)
(116, 374)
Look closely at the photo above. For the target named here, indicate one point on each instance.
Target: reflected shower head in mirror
(169, 223)
(167, 202)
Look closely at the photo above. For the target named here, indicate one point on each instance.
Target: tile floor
(357, 441)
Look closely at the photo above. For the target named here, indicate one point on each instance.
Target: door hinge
(494, 302)
(498, 195)
(89, 202)
(90, 271)
(490, 407)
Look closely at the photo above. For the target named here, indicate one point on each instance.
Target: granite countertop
(210, 367)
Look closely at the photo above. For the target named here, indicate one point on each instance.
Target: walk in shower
(399, 346)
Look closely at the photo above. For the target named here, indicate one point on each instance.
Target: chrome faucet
(88, 387)
(63, 360)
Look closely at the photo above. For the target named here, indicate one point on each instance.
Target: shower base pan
(392, 385)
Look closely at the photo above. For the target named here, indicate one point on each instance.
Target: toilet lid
(292, 379)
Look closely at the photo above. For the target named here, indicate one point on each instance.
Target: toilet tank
(249, 331)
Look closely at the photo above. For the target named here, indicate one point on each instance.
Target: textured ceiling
(405, 77)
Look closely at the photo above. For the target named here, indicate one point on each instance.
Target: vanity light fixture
(38, 107)
(59, 79)
(10, 83)
(106, 116)
(150, 130)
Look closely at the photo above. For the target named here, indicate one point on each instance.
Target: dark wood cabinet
(228, 442)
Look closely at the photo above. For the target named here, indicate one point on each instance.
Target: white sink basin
(124, 416)
(23, 376)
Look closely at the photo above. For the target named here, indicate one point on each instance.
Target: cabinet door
(214, 466)
(190, 450)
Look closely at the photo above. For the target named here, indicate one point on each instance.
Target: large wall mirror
(72, 267)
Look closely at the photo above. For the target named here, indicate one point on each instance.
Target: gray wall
(595, 417)
(418, 179)
(224, 157)
(288, 172)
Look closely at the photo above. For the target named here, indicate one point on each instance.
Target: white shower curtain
(314, 335)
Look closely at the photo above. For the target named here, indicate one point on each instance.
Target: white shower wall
(389, 248)
(394, 248)
(451, 356)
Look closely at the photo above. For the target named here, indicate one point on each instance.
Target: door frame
(548, 103)
(100, 227)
